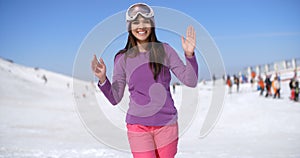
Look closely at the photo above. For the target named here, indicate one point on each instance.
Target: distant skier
(214, 79)
(253, 75)
(268, 85)
(174, 87)
(237, 82)
(276, 86)
(261, 85)
(45, 79)
(292, 86)
(296, 91)
(244, 79)
(229, 83)
(224, 79)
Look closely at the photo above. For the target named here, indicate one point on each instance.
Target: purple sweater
(151, 103)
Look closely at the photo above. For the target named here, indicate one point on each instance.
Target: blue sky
(48, 33)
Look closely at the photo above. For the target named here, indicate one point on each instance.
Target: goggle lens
(137, 9)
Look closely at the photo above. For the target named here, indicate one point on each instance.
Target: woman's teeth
(141, 32)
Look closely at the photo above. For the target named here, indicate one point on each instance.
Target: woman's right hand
(99, 68)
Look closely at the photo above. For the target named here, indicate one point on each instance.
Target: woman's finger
(182, 40)
(187, 32)
(192, 31)
(102, 63)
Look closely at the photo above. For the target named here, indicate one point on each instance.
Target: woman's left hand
(189, 43)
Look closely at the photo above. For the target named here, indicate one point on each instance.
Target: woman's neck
(142, 46)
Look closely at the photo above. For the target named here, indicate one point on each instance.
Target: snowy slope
(39, 119)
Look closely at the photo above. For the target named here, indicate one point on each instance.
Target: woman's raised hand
(99, 68)
(189, 43)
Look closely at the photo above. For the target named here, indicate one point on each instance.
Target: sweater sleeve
(187, 74)
(114, 91)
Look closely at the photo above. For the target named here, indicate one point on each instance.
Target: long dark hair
(155, 48)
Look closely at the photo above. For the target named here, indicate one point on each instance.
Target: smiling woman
(145, 65)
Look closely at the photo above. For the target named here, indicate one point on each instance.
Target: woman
(144, 65)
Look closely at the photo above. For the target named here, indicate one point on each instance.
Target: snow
(39, 119)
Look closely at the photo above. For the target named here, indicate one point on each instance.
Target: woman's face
(141, 28)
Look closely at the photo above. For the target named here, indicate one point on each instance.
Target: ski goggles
(139, 9)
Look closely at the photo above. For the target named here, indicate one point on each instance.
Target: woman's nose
(141, 25)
